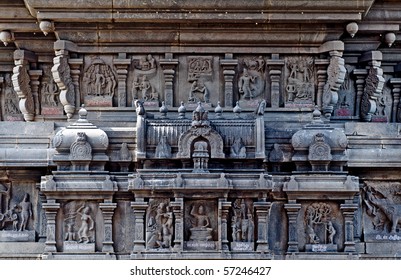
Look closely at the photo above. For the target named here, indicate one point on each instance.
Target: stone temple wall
(213, 130)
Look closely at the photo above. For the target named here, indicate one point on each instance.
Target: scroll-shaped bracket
(21, 83)
(62, 76)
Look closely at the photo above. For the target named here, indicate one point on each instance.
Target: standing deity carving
(79, 223)
(198, 92)
(142, 86)
(242, 224)
(251, 84)
(11, 98)
(160, 225)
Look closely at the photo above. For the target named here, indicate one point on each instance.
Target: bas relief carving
(16, 216)
(11, 108)
(143, 86)
(199, 67)
(79, 225)
(319, 224)
(242, 221)
(99, 83)
(251, 82)
(49, 92)
(383, 207)
(346, 95)
(200, 221)
(300, 80)
(159, 224)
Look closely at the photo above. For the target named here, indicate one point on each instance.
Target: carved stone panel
(159, 225)
(99, 82)
(200, 224)
(243, 227)
(346, 95)
(11, 111)
(300, 80)
(49, 94)
(382, 211)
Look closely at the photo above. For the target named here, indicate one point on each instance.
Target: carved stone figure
(386, 212)
(135, 88)
(300, 81)
(10, 216)
(318, 223)
(201, 228)
(26, 212)
(245, 85)
(163, 149)
(81, 149)
(198, 92)
(99, 79)
(11, 98)
(238, 149)
(148, 92)
(87, 225)
(160, 226)
(199, 67)
(242, 221)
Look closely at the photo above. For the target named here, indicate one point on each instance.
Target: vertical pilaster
(292, 213)
(139, 208)
(34, 77)
(224, 207)
(51, 208)
(275, 66)
(262, 212)
(75, 65)
(108, 212)
(169, 64)
(348, 209)
(321, 65)
(228, 64)
(360, 75)
(396, 114)
(121, 63)
(178, 210)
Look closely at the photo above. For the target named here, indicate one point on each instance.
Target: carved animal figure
(376, 202)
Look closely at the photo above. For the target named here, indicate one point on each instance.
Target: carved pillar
(262, 212)
(224, 207)
(108, 211)
(396, 113)
(275, 66)
(122, 63)
(292, 213)
(140, 151)
(62, 75)
(178, 210)
(321, 65)
(75, 64)
(260, 137)
(21, 83)
(228, 64)
(360, 75)
(348, 209)
(139, 208)
(42, 219)
(34, 75)
(373, 86)
(168, 64)
(51, 208)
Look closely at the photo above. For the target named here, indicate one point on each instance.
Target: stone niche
(200, 225)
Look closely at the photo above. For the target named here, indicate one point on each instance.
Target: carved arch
(213, 137)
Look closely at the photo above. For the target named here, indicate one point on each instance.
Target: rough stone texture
(211, 129)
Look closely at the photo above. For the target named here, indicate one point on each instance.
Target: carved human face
(201, 210)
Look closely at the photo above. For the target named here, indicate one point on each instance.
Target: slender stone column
(228, 64)
(108, 211)
(292, 213)
(75, 70)
(321, 65)
(224, 207)
(275, 66)
(35, 75)
(139, 208)
(395, 116)
(348, 209)
(262, 212)
(178, 210)
(169, 64)
(122, 63)
(360, 75)
(51, 208)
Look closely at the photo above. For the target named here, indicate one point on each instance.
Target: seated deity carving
(163, 149)
(201, 228)
(198, 92)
